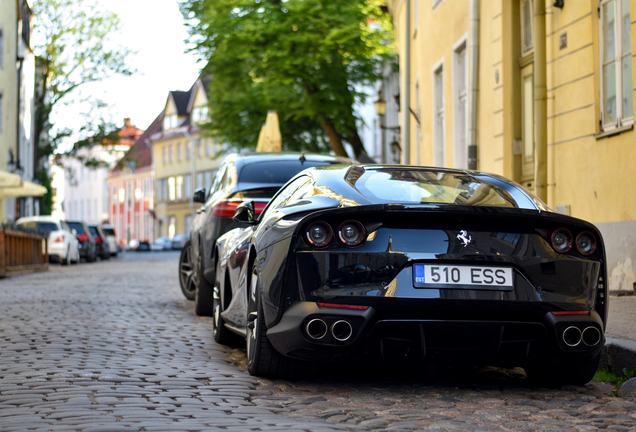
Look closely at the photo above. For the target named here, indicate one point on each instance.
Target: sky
(155, 30)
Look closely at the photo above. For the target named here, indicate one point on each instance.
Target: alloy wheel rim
(217, 310)
(187, 272)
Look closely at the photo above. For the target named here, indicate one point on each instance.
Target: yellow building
(184, 160)
(540, 91)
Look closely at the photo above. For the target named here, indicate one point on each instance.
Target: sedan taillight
(82, 237)
(225, 208)
(98, 239)
(59, 239)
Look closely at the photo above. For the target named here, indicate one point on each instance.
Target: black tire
(262, 358)
(221, 333)
(186, 272)
(204, 292)
(90, 257)
(558, 375)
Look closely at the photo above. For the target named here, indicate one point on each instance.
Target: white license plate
(462, 276)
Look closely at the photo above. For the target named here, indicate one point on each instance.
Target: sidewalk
(620, 350)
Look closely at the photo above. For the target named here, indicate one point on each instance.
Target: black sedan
(248, 176)
(400, 263)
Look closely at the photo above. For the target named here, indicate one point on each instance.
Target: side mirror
(199, 195)
(245, 213)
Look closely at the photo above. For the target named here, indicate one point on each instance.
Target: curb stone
(618, 354)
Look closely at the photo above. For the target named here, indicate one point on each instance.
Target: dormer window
(170, 122)
(200, 114)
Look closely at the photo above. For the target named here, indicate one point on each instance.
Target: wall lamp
(380, 109)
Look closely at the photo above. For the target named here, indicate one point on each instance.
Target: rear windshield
(274, 172)
(93, 231)
(77, 226)
(256, 193)
(414, 186)
(108, 231)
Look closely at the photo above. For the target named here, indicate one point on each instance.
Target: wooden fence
(22, 252)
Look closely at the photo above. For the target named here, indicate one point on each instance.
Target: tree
(303, 58)
(71, 41)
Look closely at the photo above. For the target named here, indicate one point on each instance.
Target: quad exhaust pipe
(573, 336)
(317, 329)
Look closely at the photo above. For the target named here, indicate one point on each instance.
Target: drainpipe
(406, 104)
(540, 103)
(473, 48)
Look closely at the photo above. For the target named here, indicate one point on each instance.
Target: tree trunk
(335, 140)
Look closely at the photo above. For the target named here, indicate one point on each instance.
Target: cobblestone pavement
(113, 346)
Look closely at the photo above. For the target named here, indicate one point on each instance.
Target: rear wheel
(186, 272)
(204, 292)
(262, 358)
(221, 333)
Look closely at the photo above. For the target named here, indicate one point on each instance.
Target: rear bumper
(482, 341)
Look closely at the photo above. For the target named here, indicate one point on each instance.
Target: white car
(63, 246)
(161, 244)
(109, 230)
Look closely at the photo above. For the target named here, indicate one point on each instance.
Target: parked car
(87, 244)
(63, 246)
(256, 177)
(101, 244)
(178, 242)
(161, 244)
(135, 245)
(111, 239)
(412, 263)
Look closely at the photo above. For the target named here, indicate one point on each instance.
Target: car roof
(252, 157)
(336, 178)
(38, 219)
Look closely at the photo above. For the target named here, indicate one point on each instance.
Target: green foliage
(302, 58)
(46, 201)
(607, 376)
(71, 41)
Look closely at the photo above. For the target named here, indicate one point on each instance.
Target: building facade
(539, 91)
(184, 160)
(131, 186)
(85, 190)
(17, 111)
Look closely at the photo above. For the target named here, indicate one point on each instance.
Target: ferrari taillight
(319, 234)
(351, 233)
(562, 240)
(586, 243)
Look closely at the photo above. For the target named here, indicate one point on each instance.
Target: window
(171, 153)
(438, 113)
(165, 155)
(200, 183)
(460, 104)
(179, 187)
(170, 122)
(617, 106)
(208, 146)
(1, 103)
(172, 226)
(188, 150)
(208, 180)
(187, 221)
(159, 191)
(526, 26)
(199, 147)
(200, 114)
(172, 194)
(179, 151)
(188, 186)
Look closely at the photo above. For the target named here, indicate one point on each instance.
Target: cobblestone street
(114, 346)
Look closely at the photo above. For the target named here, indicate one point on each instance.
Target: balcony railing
(22, 252)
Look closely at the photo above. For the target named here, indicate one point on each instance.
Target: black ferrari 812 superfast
(399, 263)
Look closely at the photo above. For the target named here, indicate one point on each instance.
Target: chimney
(127, 122)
